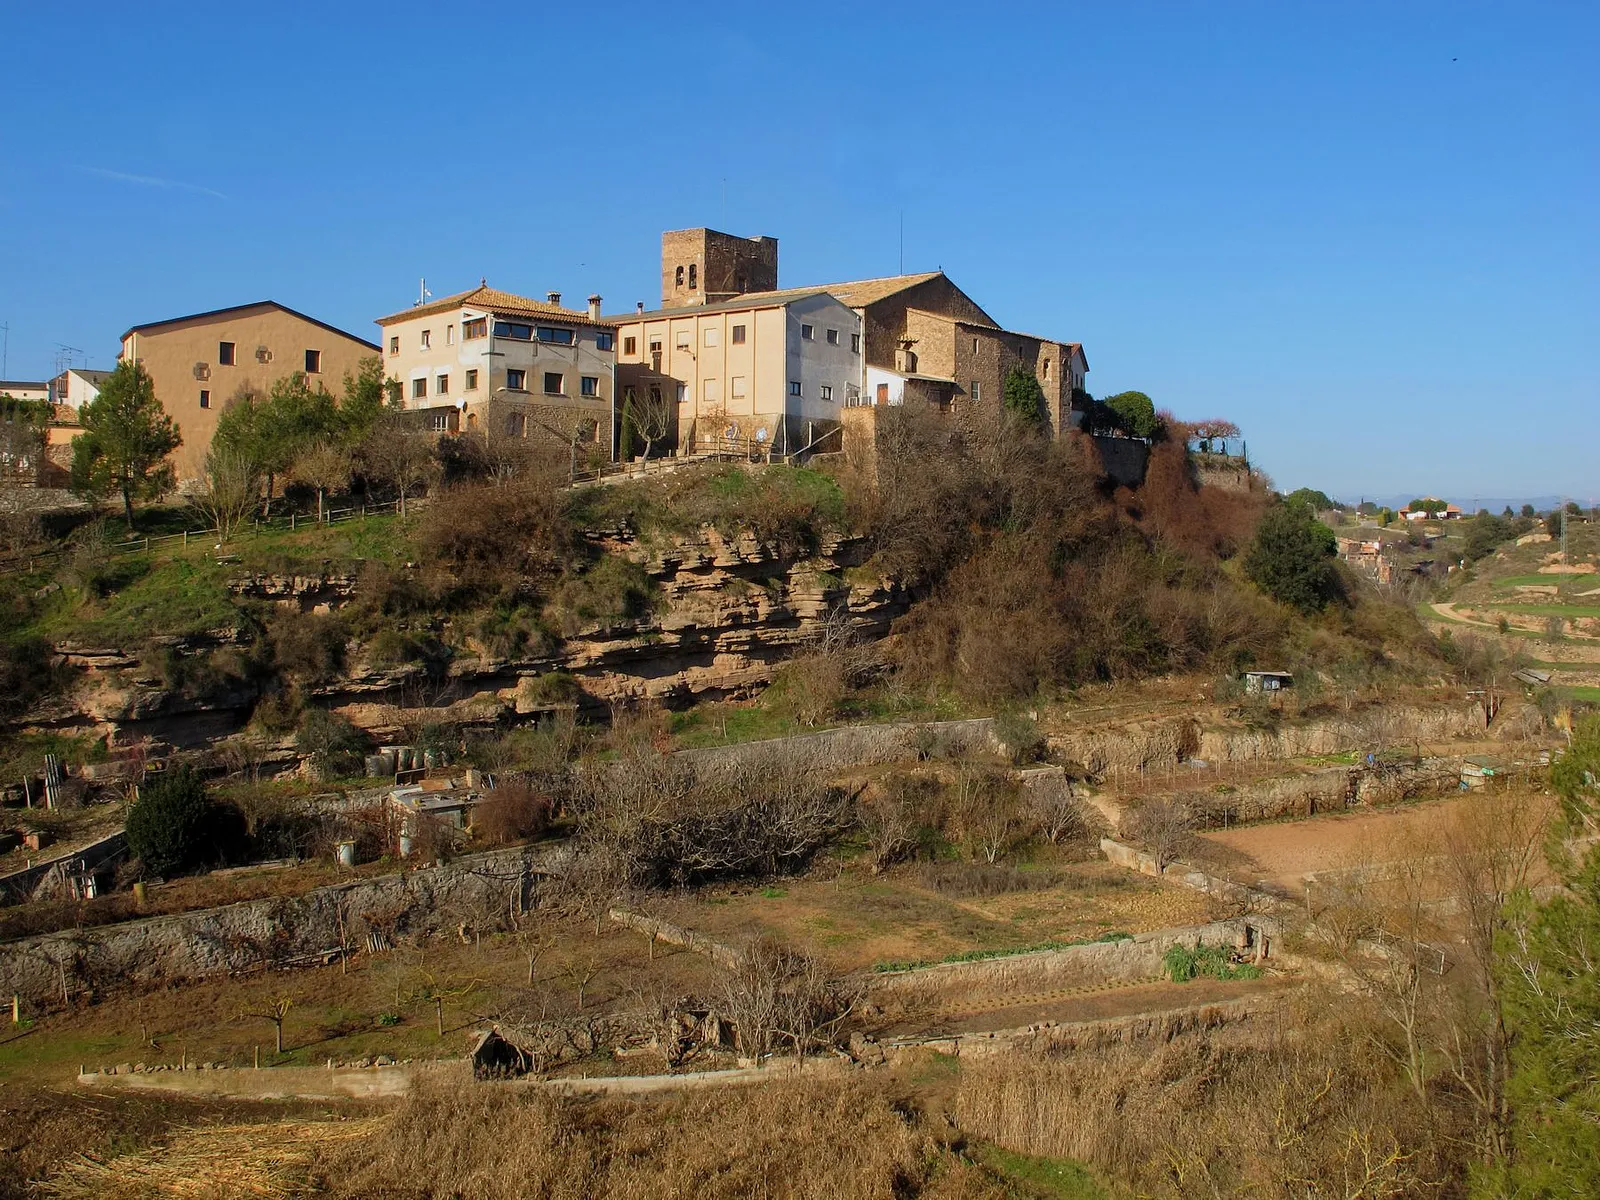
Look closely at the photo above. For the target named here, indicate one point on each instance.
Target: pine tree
(1547, 967)
(1291, 558)
(126, 438)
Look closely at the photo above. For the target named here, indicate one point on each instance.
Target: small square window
(977, 392)
(516, 381)
(441, 386)
(589, 385)
(682, 341)
(738, 335)
(394, 344)
(439, 422)
(808, 333)
(472, 379)
(710, 390)
(794, 387)
(419, 389)
(604, 340)
(313, 362)
(553, 383)
(225, 353)
(855, 343)
(833, 337)
(736, 387)
(205, 398)
(630, 345)
(427, 339)
(476, 328)
(711, 335)
(827, 392)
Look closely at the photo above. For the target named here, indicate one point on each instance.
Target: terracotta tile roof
(507, 304)
(858, 293)
(240, 308)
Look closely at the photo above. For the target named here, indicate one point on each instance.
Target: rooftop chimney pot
(594, 307)
(640, 305)
(553, 297)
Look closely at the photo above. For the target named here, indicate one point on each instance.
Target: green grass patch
(1589, 695)
(981, 955)
(1037, 1177)
(1182, 964)
(1527, 580)
(173, 598)
(1548, 610)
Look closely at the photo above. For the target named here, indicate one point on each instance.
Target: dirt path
(1446, 611)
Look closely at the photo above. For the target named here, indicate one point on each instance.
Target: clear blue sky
(1366, 232)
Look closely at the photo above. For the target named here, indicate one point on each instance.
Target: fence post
(291, 522)
(186, 539)
(147, 543)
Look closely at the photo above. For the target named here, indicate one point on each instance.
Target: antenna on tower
(66, 356)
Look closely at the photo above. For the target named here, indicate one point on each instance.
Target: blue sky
(1365, 232)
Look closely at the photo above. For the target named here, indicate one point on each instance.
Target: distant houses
(728, 358)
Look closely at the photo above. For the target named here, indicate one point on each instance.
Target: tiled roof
(857, 293)
(507, 304)
(239, 308)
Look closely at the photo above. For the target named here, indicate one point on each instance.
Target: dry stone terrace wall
(478, 890)
(1131, 960)
(1147, 745)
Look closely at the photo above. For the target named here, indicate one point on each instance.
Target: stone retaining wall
(278, 931)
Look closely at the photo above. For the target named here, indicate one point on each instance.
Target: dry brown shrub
(1315, 1112)
(828, 1140)
(511, 540)
(513, 812)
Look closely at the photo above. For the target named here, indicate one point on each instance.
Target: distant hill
(1471, 504)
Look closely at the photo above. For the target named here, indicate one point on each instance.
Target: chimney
(640, 308)
(594, 307)
(553, 298)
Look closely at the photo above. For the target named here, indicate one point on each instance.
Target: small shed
(1478, 769)
(1256, 682)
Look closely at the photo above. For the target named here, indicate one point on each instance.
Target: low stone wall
(677, 935)
(861, 745)
(279, 931)
(1059, 1037)
(1225, 890)
(271, 1083)
(1132, 960)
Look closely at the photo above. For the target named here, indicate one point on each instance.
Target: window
(441, 386)
(449, 335)
(427, 339)
(604, 340)
(692, 271)
(476, 328)
(683, 393)
(678, 278)
(808, 333)
(682, 341)
(313, 362)
(556, 337)
(974, 345)
(589, 385)
(516, 381)
(630, 345)
(419, 389)
(517, 424)
(827, 392)
(553, 383)
(738, 335)
(205, 398)
(711, 336)
(976, 393)
(833, 337)
(1044, 369)
(225, 353)
(736, 387)
(855, 343)
(394, 344)
(439, 422)
(794, 387)
(711, 390)
(472, 379)
(508, 329)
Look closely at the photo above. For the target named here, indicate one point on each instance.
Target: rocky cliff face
(728, 613)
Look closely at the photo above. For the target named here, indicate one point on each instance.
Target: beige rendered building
(198, 363)
(541, 370)
(763, 373)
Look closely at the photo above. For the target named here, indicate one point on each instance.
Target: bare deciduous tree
(276, 1011)
(1165, 827)
(230, 490)
(1056, 808)
(326, 468)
